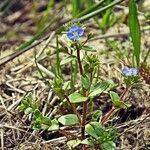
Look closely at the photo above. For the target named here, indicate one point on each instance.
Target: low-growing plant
(83, 85)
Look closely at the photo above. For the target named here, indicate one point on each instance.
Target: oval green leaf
(85, 81)
(77, 98)
(109, 145)
(117, 103)
(98, 88)
(68, 120)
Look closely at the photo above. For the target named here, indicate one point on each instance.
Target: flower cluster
(129, 71)
(75, 32)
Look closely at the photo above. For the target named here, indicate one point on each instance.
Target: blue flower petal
(75, 33)
(73, 28)
(125, 71)
(80, 32)
(70, 35)
(134, 71)
(129, 71)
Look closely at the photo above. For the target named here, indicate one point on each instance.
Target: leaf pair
(95, 90)
(103, 137)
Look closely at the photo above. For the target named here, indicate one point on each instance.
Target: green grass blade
(76, 5)
(58, 58)
(36, 36)
(105, 20)
(90, 9)
(135, 31)
(96, 12)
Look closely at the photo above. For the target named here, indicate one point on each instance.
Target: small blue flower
(134, 71)
(129, 71)
(75, 33)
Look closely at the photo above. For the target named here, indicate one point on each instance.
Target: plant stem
(72, 75)
(110, 112)
(124, 92)
(107, 116)
(79, 59)
(83, 122)
(75, 71)
(72, 80)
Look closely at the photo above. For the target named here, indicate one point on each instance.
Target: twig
(56, 108)
(58, 140)
(12, 127)
(14, 88)
(15, 104)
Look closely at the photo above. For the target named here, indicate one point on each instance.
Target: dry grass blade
(2, 137)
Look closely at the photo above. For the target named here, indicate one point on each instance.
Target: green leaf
(131, 80)
(117, 103)
(28, 102)
(90, 131)
(135, 30)
(28, 111)
(54, 125)
(96, 115)
(109, 145)
(66, 85)
(88, 141)
(70, 119)
(44, 126)
(67, 60)
(58, 82)
(73, 143)
(77, 98)
(85, 81)
(37, 114)
(22, 107)
(98, 88)
(93, 129)
(46, 121)
(88, 48)
(36, 126)
(112, 85)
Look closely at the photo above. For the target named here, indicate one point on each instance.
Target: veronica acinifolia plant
(79, 91)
